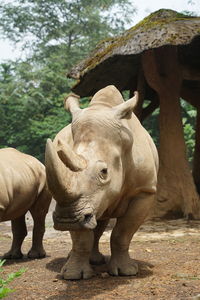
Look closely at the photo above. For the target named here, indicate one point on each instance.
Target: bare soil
(168, 254)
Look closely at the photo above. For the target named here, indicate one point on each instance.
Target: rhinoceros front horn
(59, 174)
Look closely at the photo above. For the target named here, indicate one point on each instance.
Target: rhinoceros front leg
(77, 265)
(120, 261)
(96, 256)
(19, 232)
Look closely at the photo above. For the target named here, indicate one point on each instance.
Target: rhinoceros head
(86, 179)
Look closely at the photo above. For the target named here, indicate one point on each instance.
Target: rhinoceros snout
(65, 220)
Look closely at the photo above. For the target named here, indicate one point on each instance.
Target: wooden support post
(176, 188)
(192, 95)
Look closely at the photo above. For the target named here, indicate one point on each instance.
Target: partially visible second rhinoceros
(103, 165)
(23, 188)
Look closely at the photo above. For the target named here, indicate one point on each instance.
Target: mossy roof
(116, 60)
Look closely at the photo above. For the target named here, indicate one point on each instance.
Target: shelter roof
(117, 60)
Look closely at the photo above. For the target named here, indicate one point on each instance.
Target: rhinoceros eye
(104, 171)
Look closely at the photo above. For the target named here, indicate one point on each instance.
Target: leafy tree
(54, 36)
(66, 28)
(29, 115)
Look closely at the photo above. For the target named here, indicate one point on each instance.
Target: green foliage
(151, 123)
(152, 126)
(54, 36)
(4, 289)
(189, 118)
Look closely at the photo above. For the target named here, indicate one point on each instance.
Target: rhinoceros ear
(71, 103)
(124, 110)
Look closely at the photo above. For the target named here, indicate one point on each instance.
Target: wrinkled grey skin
(104, 165)
(23, 188)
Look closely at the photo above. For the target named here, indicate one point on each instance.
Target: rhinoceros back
(22, 178)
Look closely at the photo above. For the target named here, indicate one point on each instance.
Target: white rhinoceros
(23, 188)
(101, 166)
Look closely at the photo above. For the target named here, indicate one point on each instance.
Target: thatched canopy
(117, 61)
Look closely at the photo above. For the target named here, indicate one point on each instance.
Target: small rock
(104, 275)
(148, 250)
(184, 284)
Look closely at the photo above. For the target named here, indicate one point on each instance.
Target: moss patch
(155, 20)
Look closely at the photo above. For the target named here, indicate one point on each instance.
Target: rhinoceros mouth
(64, 224)
(89, 221)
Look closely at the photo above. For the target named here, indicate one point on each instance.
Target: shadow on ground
(100, 284)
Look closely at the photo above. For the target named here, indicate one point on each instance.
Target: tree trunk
(176, 188)
(196, 161)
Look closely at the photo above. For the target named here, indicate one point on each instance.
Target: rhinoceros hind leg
(37, 249)
(19, 232)
(120, 262)
(2, 211)
(38, 212)
(96, 257)
(13, 255)
(35, 253)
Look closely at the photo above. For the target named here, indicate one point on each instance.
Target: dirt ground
(168, 253)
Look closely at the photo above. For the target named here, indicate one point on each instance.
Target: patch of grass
(186, 276)
(4, 289)
(4, 238)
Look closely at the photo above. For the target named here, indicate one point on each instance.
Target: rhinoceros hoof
(72, 272)
(13, 255)
(97, 259)
(124, 268)
(36, 254)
